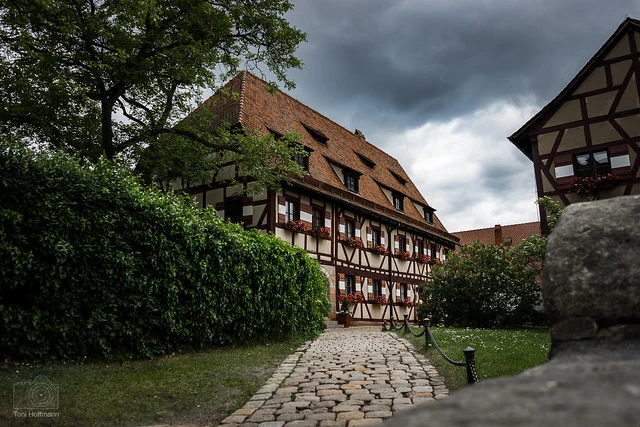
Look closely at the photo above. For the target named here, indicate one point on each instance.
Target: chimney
(497, 232)
(359, 133)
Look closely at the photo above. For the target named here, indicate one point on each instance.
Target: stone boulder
(591, 290)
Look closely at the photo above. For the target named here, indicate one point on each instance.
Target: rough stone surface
(591, 290)
(347, 377)
(591, 266)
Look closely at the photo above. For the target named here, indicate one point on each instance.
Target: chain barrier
(469, 352)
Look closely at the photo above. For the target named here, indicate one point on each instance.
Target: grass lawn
(197, 387)
(499, 352)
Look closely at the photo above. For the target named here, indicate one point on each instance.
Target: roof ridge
(243, 87)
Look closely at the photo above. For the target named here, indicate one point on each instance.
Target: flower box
(321, 232)
(354, 242)
(404, 255)
(423, 258)
(379, 249)
(296, 226)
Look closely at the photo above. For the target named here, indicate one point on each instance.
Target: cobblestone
(351, 377)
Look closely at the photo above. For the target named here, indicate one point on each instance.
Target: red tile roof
(517, 233)
(257, 108)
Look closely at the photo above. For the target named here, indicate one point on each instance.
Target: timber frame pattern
(596, 116)
(358, 194)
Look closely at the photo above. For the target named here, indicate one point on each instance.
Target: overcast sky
(441, 84)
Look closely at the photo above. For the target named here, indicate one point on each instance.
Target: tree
(104, 78)
(552, 210)
(486, 285)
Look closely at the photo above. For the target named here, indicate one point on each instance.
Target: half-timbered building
(584, 143)
(356, 210)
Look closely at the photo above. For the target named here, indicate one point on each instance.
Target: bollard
(469, 357)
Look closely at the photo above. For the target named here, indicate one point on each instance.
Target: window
(402, 243)
(291, 211)
(403, 291)
(375, 237)
(428, 215)
(349, 229)
(233, 210)
(302, 160)
(420, 247)
(398, 201)
(377, 288)
(433, 251)
(350, 284)
(317, 218)
(591, 164)
(351, 181)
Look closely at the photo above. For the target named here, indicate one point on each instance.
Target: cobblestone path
(347, 377)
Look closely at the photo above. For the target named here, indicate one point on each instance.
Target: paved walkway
(347, 377)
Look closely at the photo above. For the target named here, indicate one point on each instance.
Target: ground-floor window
(350, 284)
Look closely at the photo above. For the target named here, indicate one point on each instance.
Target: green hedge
(92, 263)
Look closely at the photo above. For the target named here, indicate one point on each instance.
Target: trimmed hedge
(92, 263)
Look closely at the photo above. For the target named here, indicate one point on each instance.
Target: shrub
(92, 263)
(484, 286)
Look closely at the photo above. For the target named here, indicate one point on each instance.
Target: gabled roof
(256, 108)
(517, 233)
(520, 138)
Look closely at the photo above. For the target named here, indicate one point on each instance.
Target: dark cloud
(397, 63)
(440, 84)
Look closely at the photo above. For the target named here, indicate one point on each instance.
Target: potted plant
(589, 187)
(321, 232)
(354, 242)
(379, 249)
(405, 255)
(423, 258)
(344, 315)
(379, 300)
(296, 226)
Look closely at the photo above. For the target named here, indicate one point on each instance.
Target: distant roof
(519, 137)
(257, 108)
(516, 232)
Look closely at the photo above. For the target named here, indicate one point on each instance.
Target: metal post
(384, 326)
(406, 323)
(472, 373)
(426, 333)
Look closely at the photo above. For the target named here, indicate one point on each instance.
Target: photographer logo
(37, 398)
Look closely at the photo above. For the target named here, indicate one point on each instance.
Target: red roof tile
(517, 233)
(256, 108)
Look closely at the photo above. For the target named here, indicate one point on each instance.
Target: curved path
(347, 377)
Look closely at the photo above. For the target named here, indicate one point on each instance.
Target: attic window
(368, 162)
(398, 202)
(351, 180)
(400, 179)
(428, 214)
(303, 159)
(318, 135)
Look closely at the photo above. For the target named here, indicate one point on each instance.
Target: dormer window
(351, 181)
(367, 161)
(317, 134)
(398, 202)
(428, 214)
(398, 178)
(302, 159)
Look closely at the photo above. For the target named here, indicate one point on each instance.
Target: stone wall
(591, 290)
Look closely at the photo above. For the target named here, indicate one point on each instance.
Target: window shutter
(382, 239)
(281, 209)
(620, 161)
(396, 244)
(357, 230)
(306, 214)
(564, 169)
(342, 234)
(369, 289)
(369, 237)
